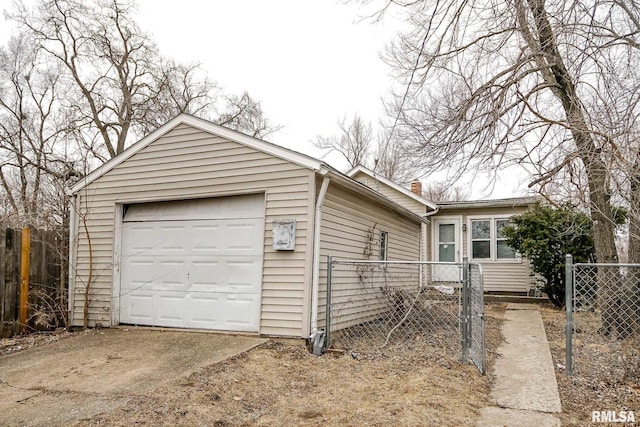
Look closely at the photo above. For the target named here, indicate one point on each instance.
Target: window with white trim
(384, 245)
(481, 239)
(503, 251)
(488, 241)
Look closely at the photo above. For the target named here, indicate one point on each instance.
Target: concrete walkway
(525, 391)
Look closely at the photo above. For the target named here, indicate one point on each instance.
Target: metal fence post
(328, 301)
(568, 302)
(466, 290)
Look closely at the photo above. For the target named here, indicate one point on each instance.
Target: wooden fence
(47, 280)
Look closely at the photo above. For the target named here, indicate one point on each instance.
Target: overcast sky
(308, 62)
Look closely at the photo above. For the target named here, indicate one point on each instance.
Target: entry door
(447, 249)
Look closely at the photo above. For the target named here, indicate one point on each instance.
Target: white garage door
(193, 264)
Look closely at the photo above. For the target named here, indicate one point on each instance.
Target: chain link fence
(603, 320)
(375, 306)
(475, 318)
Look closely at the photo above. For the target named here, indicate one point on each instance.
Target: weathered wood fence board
(46, 277)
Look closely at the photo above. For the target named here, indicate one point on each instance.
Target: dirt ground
(606, 371)
(281, 383)
(19, 343)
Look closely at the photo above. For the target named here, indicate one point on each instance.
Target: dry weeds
(281, 383)
(36, 339)
(606, 371)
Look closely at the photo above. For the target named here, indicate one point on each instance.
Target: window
(503, 251)
(488, 241)
(384, 245)
(481, 239)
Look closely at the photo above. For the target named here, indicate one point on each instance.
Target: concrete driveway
(79, 377)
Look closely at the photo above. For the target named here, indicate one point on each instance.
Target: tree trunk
(564, 89)
(561, 82)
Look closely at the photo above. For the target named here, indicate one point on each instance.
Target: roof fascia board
(204, 125)
(391, 184)
(363, 190)
(511, 202)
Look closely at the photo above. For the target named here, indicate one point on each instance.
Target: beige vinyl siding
(346, 220)
(391, 193)
(190, 163)
(499, 276)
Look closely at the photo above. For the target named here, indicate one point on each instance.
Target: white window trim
(386, 246)
(493, 240)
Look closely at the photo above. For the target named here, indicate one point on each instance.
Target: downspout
(72, 258)
(315, 281)
(423, 241)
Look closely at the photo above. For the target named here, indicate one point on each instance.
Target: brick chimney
(416, 187)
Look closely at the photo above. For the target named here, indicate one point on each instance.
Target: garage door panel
(203, 310)
(194, 273)
(170, 308)
(148, 274)
(139, 307)
(226, 275)
(139, 238)
(155, 238)
(242, 275)
(243, 241)
(241, 311)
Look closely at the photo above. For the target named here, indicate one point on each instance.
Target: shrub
(544, 235)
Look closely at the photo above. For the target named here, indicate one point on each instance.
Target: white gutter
(423, 232)
(433, 212)
(315, 281)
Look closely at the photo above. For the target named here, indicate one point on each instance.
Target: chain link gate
(373, 306)
(475, 317)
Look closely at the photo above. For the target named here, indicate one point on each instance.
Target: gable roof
(207, 126)
(278, 151)
(389, 183)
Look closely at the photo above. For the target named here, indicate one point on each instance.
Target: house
(468, 229)
(198, 226)
(473, 229)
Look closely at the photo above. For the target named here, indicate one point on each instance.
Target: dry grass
(281, 383)
(606, 371)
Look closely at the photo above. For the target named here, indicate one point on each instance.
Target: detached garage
(198, 226)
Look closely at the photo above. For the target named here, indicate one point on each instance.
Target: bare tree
(353, 142)
(108, 60)
(180, 88)
(551, 84)
(245, 114)
(444, 191)
(392, 160)
(121, 86)
(358, 145)
(32, 125)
